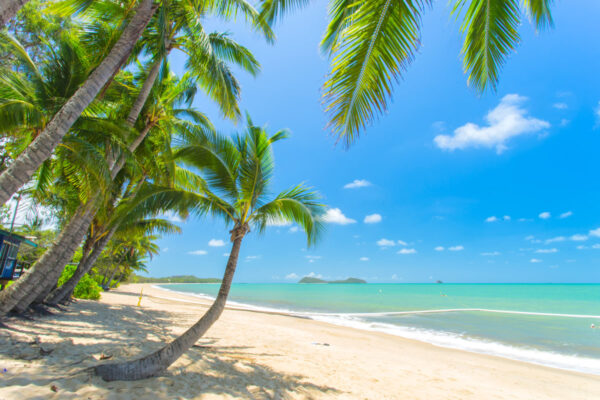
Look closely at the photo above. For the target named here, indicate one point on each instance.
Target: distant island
(309, 279)
(173, 279)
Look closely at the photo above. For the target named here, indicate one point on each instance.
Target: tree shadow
(38, 358)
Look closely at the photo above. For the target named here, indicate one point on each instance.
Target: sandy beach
(252, 355)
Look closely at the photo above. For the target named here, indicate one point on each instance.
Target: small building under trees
(9, 249)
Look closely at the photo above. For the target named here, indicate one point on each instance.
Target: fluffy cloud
(547, 251)
(372, 219)
(407, 251)
(278, 222)
(491, 253)
(336, 216)
(597, 113)
(456, 248)
(579, 237)
(535, 260)
(504, 122)
(439, 248)
(293, 229)
(506, 218)
(402, 243)
(165, 249)
(293, 275)
(216, 243)
(491, 219)
(556, 239)
(595, 232)
(385, 243)
(364, 259)
(313, 275)
(198, 252)
(357, 183)
(171, 216)
(251, 258)
(566, 215)
(545, 215)
(560, 106)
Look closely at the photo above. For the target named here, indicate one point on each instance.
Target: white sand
(253, 355)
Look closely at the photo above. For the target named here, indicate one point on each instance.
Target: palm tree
(22, 169)
(234, 182)
(371, 44)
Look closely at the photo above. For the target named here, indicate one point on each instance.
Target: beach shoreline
(253, 354)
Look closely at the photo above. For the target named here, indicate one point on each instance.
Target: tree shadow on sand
(94, 330)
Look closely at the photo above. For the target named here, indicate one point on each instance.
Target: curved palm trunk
(65, 291)
(9, 9)
(42, 147)
(157, 362)
(106, 283)
(20, 295)
(136, 109)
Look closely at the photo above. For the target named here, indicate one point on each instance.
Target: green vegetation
(86, 288)
(310, 279)
(173, 279)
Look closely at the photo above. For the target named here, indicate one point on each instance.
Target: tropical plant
(86, 288)
(233, 185)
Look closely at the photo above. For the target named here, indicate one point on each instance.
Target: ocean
(547, 324)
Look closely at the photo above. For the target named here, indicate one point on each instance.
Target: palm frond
(372, 44)
(539, 11)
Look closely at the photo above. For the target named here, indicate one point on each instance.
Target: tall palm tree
(371, 44)
(21, 170)
(234, 183)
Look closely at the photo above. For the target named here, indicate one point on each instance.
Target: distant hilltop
(309, 279)
(173, 279)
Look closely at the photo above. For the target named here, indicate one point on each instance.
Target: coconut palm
(233, 184)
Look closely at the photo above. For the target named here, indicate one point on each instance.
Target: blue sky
(439, 165)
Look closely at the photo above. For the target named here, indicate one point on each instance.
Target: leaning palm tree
(233, 184)
(372, 43)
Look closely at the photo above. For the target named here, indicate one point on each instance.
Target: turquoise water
(539, 323)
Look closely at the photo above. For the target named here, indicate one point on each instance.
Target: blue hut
(9, 248)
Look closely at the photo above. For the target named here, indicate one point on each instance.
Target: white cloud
(566, 215)
(216, 243)
(491, 253)
(372, 219)
(491, 219)
(439, 248)
(385, 243)
(335, 216)
(560, 106)
(364, 259)
(357, 183)
(198, 252)
(165, 249)
(579, 237)
(597, 113)
(407, 251)
(313, 275)
(226, 254)
(293, 275)
(313, 257)
(530, 237)
(504, 122)
(535, 260)
(402, 243)
(171, 216)
(545, 215)
(456, 248)
(581, 247)
(250, 258)
(394, 276)
(596, 246)
(293, 229)
(556, 239)
(547, 251)
(278, 222)
(595, 232)
(506, 218)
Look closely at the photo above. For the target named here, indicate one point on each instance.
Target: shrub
(87, 288)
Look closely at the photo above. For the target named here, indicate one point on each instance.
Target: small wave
(448, 310)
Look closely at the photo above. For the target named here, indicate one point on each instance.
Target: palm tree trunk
(106, 284)
(155, 363)
(21, 170)
(142, 97)
(66, 290)
(28, 287)
(9, 9)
